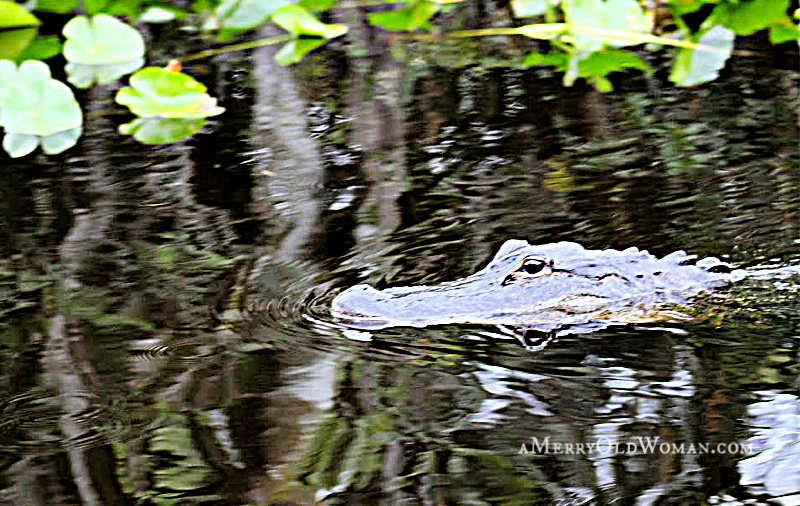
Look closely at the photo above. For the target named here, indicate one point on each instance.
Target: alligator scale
(547, 288)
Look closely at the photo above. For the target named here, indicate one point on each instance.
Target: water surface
(166, 335)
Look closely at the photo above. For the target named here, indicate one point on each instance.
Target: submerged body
(545, 288)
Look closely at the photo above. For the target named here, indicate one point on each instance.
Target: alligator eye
(532, 267)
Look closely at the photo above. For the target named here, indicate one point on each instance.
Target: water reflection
(776, 429)
(166, 335)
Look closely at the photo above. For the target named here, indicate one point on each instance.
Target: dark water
(165, 333)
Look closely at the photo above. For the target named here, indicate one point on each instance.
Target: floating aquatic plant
(308, 33)
(36, 109)
(170, 105)
(245, 14)
(17, 29)
(100, 49)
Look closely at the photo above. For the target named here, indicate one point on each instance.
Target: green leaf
(784, 32)
(693, 67)
(17, 29)
(37, 107)
(601, 84)
(160, 93)
(162, 130)
(745, 18)
(60, 141)
(595, 67)
(128, 8)
(14, 42)
(95, 6)
(83, 76)
(226, 34)
(298, 21)
(316, 5)
(56, 6)
(101, 40)
(557, 60)
(604, 62)
(15, 16)
(294, 50)
(246, 14)
(609, 15)
(412, 17)
(42, 48)
(101, 49)
(17, 145)
(528, 8)
(681, 7)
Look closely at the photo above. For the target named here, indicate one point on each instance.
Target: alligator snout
(350, 305)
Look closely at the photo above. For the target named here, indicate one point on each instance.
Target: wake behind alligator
(559, 287)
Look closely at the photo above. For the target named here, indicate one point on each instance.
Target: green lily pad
(100, 49)
(162, 130)
(695, 66)
(299, 22)
(246, 14)
(621, 15)
(294, 50)
(160, 93)
(412, 17)
(17, 29)
(42, 48)
(38, 110)
(171, 106)
(14, 42)
(15, 16)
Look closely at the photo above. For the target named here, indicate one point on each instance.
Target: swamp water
(166, 335)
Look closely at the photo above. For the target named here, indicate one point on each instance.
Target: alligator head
(544, 288)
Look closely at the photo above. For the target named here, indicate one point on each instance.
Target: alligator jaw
(351, 298)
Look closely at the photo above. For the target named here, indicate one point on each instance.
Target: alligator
(549, 288)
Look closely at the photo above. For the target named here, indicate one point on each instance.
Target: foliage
(100, 49)
(593, 27)
(232, 17)
(301, 23)
(17, 29)
(413, 16)
(36, 110)
(588, 39)
(169, 105)
(694, 67)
